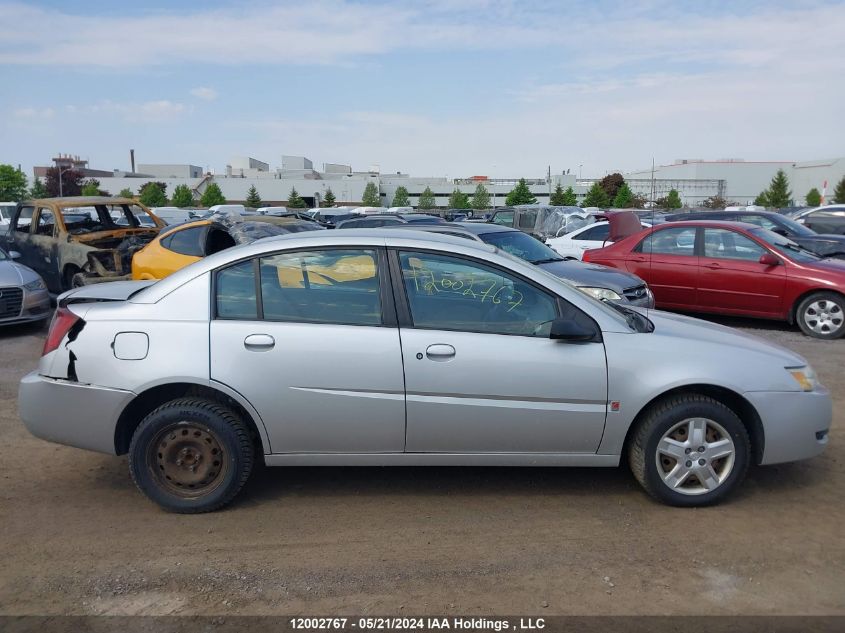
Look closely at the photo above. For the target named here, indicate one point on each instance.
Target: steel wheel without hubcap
(187, 460)
(824, 317)
(695, 456)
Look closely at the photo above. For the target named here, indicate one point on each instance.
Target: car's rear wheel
(68, 278)
(822, 315)
(191, 455)
(689, 450)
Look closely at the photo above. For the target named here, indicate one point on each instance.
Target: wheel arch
(743, 409)
(149, 399)
(793, 309)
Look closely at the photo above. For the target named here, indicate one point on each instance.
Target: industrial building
(696, 180)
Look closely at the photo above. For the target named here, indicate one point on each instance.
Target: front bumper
(35, 306)
(795, 424)
(71, 413)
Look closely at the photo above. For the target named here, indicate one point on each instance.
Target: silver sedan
(385, 347)
(23, 294)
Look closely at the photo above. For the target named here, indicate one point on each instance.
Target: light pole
(60, 181)
(579, 170)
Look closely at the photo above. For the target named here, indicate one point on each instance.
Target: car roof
(716, 212)
(713, 223)
(484, 227)
(80, 201)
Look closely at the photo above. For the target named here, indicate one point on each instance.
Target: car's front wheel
(822, 315)
(191, 455)
(689, 450)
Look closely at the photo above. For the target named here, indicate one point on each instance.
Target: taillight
(62, 321)
(585, 257)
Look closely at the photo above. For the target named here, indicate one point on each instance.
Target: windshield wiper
(547, 260)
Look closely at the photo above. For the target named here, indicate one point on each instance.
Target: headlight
(804, 376)
(600, 293)
(38, 284)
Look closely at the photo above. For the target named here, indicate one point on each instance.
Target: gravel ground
(78, 538)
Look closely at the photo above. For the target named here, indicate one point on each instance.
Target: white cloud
(141, 112)
(30, 113)
(204, 93)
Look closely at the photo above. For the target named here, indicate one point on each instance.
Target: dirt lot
(78, 538)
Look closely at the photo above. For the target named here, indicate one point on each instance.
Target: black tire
(661, 419)
(191, 455)
(834, 303)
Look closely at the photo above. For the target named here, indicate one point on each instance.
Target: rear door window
(725, 244)
(672, 241)
(339, 286)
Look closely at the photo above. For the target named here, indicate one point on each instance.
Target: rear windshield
(105, 217)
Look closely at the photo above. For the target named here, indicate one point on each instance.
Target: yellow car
(178, 246)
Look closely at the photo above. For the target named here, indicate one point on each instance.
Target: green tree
(12, 184)
(673, 200)
(182, 196)
(91, 187)
(370, 197)
(778, 193)
(38, 189)
(328, 199)
(481, 198)
(839, 192)
(152, 194)
(638, 201)
(596, 197)
(556, 199)
(427, 200)
(401, 198)
(520, 194)
(252, 198)
(295, 201)
(611, 184)
(624, 197)
(212, 196)
(458, 199)
(813, 197)
(762, 199)
(126, 192)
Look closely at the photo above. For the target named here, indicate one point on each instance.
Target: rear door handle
(713, 266)
(259, 342)
(440, 352)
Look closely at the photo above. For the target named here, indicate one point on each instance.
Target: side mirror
(14, 255)
(571, 331)
(767, 259)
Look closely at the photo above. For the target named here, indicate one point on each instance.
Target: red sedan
(734, 268)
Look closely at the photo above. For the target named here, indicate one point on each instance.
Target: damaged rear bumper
(71, 413)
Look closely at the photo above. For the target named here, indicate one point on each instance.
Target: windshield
(785, 246)
(795, 227)
(105, 217)
(521, 245)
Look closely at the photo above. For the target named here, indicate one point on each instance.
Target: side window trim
(389, 305)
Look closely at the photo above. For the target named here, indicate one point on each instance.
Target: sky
(429, 87)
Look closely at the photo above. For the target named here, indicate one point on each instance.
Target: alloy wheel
(695, 456)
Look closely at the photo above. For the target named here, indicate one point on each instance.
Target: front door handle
(440, 352)
(259, 342)
(713, 266)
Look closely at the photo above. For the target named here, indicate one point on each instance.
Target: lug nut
(687, 451)
(701, 462)
(688, 464)
(700, 449)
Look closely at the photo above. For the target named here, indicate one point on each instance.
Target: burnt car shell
(81, 240)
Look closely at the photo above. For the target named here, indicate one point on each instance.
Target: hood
(15, 274)
(692, 329)
(592, 275)
(823, 245)
(828, 265)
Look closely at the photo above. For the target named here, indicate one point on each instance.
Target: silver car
(383, 347)
(23, 294)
